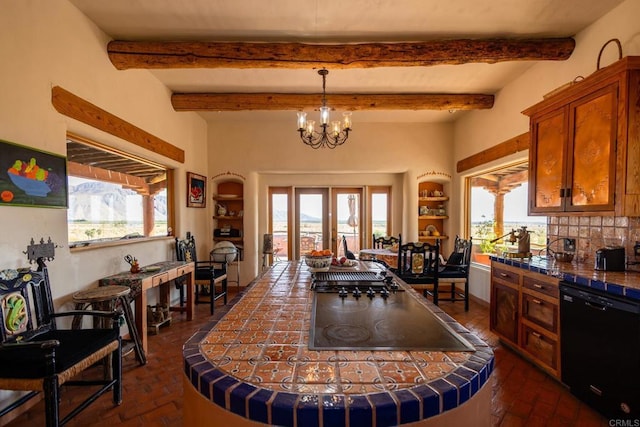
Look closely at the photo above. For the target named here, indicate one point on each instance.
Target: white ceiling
(342, 21)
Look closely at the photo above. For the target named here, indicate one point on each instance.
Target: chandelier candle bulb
(346, 118)
(311, 124)
(324, 115)
(302, 120)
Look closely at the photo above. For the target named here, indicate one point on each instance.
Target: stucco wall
(271, 154)
(50, 43)
(479, 130)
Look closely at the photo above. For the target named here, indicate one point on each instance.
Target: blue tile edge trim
(256, 403)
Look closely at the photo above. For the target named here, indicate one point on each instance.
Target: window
(114, 195)
(380, 203)
(497, 205)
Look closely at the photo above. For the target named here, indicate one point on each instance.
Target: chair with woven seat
(37, 356)
(208, 274)
(419, 265)
(456, 270)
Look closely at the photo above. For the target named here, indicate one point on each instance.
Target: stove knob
(342, 293)
(371, 293)
(384, 293)
(357, 293)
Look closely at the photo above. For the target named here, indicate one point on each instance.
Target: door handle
(595, 306)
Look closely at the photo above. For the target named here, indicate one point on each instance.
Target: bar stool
(106, 298)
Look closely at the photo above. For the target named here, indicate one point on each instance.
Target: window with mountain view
(113, 195)
(497, 205)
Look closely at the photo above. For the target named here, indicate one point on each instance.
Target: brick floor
(522, 395)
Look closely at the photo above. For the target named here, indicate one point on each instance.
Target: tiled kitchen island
(254, 367)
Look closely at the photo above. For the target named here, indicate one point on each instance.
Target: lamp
(338, 132)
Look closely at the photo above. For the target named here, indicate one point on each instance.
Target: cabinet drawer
(547, 287)
(506, 275)
(540, 312)
(159, 279)
(184, 270)
(540, 346)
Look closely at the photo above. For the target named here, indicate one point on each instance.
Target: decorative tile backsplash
(594, 232)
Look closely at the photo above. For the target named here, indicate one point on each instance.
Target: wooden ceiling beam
(188, 54)
(349, 102)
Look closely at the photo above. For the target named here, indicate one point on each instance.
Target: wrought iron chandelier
(338, 132)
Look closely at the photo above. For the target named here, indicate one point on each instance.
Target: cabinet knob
(537, 286)
(504, 275)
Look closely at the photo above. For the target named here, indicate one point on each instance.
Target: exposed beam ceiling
(170, 55)
(349, 102)
(161, 55)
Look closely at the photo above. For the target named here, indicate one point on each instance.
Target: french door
(323, 215)
(303, 219)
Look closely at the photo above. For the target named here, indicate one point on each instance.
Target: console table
(153, 276)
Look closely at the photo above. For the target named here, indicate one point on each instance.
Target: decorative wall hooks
(40, 252)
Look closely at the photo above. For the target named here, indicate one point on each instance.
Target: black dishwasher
(600, 350)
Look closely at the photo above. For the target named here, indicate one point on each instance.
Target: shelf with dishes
(432, 238)
(227, 218)
(433, 199)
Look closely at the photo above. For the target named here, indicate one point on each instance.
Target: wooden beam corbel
(188, 54)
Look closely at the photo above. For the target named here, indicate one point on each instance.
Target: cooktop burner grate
(349, 276)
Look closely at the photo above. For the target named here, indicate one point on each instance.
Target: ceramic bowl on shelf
(318, 263)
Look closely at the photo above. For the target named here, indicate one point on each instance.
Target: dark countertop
(621, 283)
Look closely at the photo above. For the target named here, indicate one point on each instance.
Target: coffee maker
(610, 258)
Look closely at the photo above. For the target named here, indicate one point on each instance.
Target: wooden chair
(419, 265)
(39, 357)
(207, 273)
(347, 252)
(456, 270)
(384, 242)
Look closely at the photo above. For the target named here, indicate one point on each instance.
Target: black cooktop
(378, 321)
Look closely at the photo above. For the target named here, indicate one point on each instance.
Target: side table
(106, 298)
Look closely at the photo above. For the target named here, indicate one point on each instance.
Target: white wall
(50, 43)
(271, 154)
(480, 130)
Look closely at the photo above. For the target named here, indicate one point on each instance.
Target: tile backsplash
(594, 232)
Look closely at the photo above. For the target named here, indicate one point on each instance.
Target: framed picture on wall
(196, 190)
(30, 177)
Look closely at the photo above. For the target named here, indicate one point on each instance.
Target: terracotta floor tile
(521, 394)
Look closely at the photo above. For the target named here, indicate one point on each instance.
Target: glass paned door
(311, 220)
(280, 220)
(346, 212)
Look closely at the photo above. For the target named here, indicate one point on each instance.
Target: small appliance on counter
(610, 258)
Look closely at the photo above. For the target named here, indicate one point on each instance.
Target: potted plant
(485, 233)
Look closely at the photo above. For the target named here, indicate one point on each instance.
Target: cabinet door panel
(504, 312)
(593, 125)
(548, 162)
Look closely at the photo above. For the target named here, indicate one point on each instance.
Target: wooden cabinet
(504, 317)
(432, 211)
(585, 145)
(228, 215)
(525, 314)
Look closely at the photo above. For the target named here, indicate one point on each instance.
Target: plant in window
(485, 234)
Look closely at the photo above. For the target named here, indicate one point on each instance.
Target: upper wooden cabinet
(585, 145)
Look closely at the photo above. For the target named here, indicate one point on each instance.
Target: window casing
(113, 195)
